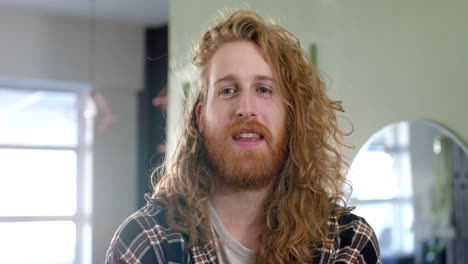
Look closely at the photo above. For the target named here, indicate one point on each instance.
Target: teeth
(248, 135)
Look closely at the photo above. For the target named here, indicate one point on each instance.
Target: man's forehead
(239, 59)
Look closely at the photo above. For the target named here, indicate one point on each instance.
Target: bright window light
(373, 177)
(382, 189)
(40, 182)
(45, 184)
(32, 117)
(38, 242)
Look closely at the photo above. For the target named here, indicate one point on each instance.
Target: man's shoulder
(348, 218)
(354, 239)
(150, 217)
(350, 225)
(146, 235)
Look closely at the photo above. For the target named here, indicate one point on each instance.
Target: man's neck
(240, 212)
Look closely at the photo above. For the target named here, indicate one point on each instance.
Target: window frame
(84, 154)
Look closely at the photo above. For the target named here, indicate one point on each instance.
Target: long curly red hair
(310, 187)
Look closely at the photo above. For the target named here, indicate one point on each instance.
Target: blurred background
(91, 96)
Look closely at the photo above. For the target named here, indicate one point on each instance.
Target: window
(382, 189)
(45, 184)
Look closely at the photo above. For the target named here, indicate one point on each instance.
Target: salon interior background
(387, 61)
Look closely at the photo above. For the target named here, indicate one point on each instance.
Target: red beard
(247, 169)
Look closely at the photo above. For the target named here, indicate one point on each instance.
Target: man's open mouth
(248, 134)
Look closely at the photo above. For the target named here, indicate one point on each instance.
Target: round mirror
(410, 183)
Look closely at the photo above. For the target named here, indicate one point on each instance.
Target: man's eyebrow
(229, 77)
(232, 77)
(264, 78)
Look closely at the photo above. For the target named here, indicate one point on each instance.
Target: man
(257, 176)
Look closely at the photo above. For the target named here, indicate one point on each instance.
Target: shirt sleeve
(146, 239)
(131, 244)
(370, 251)
(357, 242)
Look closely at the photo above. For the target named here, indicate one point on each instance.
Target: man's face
(243, 119)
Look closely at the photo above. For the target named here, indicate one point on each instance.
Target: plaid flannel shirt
(145, 237)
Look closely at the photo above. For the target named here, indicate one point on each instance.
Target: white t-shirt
(228, 249)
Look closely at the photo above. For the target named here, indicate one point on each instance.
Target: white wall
(39, 46)
(386, 60)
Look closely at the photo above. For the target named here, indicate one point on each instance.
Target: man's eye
(227, 91)
(264, 90)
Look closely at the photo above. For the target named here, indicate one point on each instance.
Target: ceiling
(143, 12)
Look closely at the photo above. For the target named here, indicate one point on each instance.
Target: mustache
(251, 125)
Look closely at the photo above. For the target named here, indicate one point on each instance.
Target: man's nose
(247, 106)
